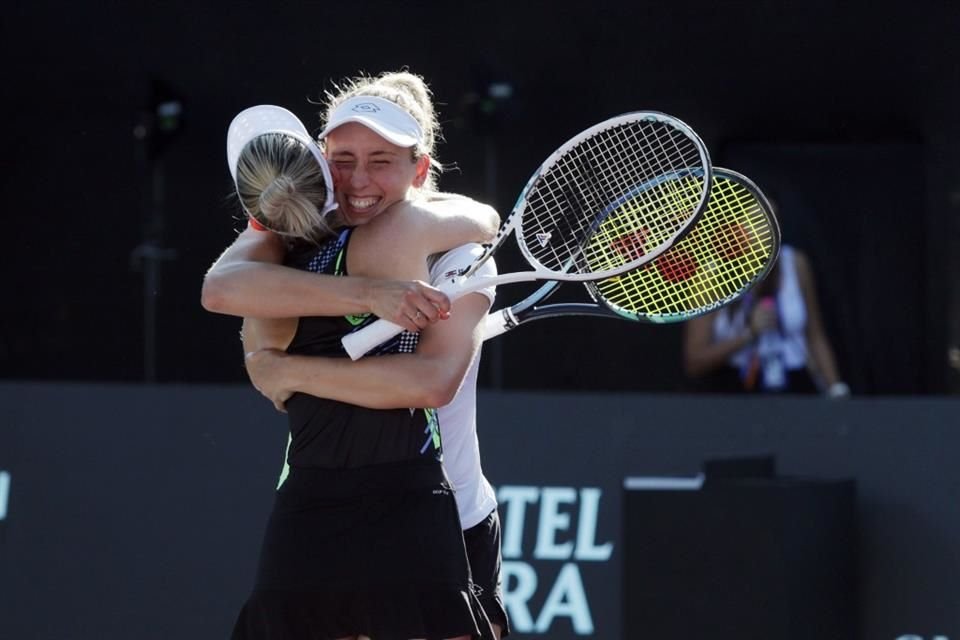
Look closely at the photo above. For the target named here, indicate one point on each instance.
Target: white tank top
(458, 420)
(788, 342)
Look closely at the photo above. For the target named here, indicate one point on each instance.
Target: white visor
(257, 121)
(385, 118)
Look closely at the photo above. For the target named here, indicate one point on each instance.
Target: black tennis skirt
(375, 551)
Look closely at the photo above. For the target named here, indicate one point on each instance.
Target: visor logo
(365, 107)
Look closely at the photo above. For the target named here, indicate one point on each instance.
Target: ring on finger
(418, 316)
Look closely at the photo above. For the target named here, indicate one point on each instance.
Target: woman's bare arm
(463, 220)
(428, 378)
(248, 280)
(444, 221)
(822, 361)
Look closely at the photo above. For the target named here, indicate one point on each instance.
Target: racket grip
(359, 342)
(498, 322)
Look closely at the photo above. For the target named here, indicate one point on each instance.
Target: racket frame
(516, 214)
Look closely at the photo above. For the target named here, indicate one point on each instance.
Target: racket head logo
(632, 246)
(677, 265)
(732, 247)
(543, 239)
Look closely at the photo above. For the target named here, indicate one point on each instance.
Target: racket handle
(498, 322)
(359, 342)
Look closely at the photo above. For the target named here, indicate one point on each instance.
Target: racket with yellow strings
(731, 247)
(609, 200)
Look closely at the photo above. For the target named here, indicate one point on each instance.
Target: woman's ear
(423, 170)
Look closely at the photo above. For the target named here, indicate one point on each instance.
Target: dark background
(848, 116)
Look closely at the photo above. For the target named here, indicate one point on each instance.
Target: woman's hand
(267, 372)
(413, 305)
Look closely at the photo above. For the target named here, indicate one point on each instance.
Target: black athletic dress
(364, 536)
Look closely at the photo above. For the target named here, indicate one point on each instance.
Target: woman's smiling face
(370, 173)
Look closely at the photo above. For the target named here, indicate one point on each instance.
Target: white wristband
(838, 390)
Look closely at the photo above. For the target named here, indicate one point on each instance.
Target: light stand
(155, 127)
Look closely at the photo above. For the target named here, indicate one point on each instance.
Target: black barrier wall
(135, 511)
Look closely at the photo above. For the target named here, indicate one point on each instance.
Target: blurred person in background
(771, 341)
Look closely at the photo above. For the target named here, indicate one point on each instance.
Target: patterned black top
(331, 434)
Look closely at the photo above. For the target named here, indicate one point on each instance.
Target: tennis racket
(731, 248)
(611, 199)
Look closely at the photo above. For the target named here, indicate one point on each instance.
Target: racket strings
(730, 248)
(696, 274)
(613, 197)
(669, 190)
